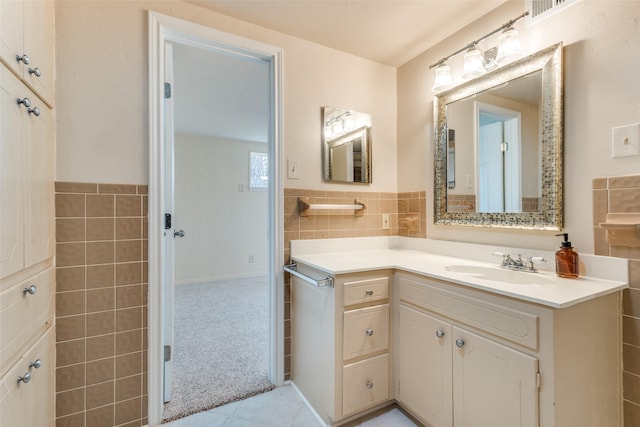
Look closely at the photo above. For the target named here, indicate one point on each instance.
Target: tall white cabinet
(27, 275)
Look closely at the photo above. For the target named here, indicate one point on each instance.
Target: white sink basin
(496, 274)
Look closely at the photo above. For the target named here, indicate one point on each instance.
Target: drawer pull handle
(24, 58)
(24, 101)
(35, 71)
(369, 332)
(460, 342)
(440, 333)
(25, 378)
(31, 290)
(35, 364)
(369, 384)
(35, 111)
(369, 292)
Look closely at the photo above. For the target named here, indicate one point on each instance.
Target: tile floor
(281, 407)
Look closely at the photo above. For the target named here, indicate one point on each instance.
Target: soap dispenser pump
(566, 259)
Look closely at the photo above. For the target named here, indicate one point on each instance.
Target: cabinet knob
(24, 58)
(369, 332)
(460, 342)
(31, 290)
(439, 333)
(35, 71)
(25, 378)
(24, 101)
(369, 384)
(35, 364)
(35, 111)
(369, 292)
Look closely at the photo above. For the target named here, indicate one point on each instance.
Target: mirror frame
(550, 217)
(363, 133)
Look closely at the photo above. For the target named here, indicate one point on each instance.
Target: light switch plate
(625, 141)
(293, 167)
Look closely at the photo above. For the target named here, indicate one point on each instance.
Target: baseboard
(199, 280)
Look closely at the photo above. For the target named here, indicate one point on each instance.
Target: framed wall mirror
(346, 146)
(499, 147)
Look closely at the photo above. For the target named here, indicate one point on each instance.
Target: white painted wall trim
(164, 28)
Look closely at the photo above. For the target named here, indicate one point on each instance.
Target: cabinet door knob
(35, 111)
(35, 364)
(439, 333)
(369, 292)
(460, 342)
(24, 101)
(369, 384)
(31, 290)
(24, 58)
(35, 71)
(369, 332)
(178, 233)
(25, 378)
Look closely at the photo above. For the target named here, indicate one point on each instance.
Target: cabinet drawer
(23, 315)
(366, 331)
(365, 384)
(514, 325)
(363, 291)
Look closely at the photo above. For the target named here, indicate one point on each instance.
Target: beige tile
(600, 206)
(70, 254)
(624, 181)
(128, 251)
(631, 330)
(70, 278)
(101, 417)
(70, 303)
(75, 187)
(70, 205)
(128, 342)
(128, 319)
(145, 250)
(631, 302)
(101, 323)
(100, 276)
(129, 364)
(599, 183)
(75, 420)
(128, 410)
(100, 206)
(145, 206)
(70, 377)
(600, 241)
(634, 273)
(128, 296)
(100, 395)
(128, 206)
(101, 300)
(100, 229)
(100, 371)
(69, 402)
(100, 347)
(70, 352)
(117, 189)
(625, 252)
(631, 414)
(626, 200)
(70, 328)
(100, 253)
(143, 189)
(128, 387)
(70, 230)
(631, 386)
(128, 228)
(631, 358)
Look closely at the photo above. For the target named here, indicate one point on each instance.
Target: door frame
(163, 28)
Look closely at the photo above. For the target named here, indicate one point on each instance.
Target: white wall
(602, 58)
(224, 222)
(101, 57)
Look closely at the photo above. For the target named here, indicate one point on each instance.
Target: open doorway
(214, 211)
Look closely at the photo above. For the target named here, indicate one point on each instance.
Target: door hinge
(167, 90)
(504, 147)
(538, 380)
(167, 353)
(167, 221)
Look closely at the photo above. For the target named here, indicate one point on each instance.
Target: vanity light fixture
(508, 50)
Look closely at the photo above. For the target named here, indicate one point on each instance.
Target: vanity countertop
(543, 287)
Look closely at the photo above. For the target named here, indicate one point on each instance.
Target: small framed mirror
(499, 147)
(346, 146)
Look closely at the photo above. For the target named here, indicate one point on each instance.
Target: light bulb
(508, 47)
(473, 64)
(443, 79)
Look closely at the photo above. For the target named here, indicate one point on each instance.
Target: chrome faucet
(518, 264)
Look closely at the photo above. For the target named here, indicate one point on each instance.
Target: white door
(493, 385)
(169, 231)
(490, 168)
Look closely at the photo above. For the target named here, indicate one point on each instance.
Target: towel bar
(320, 283)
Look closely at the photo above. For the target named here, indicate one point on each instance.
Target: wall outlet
(293, 167)
(625, 141)
(385, 221)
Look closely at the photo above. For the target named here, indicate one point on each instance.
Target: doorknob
(178, 233)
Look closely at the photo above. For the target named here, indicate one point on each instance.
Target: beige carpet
(221, 345)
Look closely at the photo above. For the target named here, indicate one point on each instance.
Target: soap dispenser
(566, 259)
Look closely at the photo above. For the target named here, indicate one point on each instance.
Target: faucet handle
(532, 259)
(499, 254)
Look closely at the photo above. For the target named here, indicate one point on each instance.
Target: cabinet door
(12, 150)
(11, 29)
(41, 387)
(493, 385)
(423, 361)
(38, 44)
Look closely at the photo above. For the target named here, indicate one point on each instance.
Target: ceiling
(226, 96)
